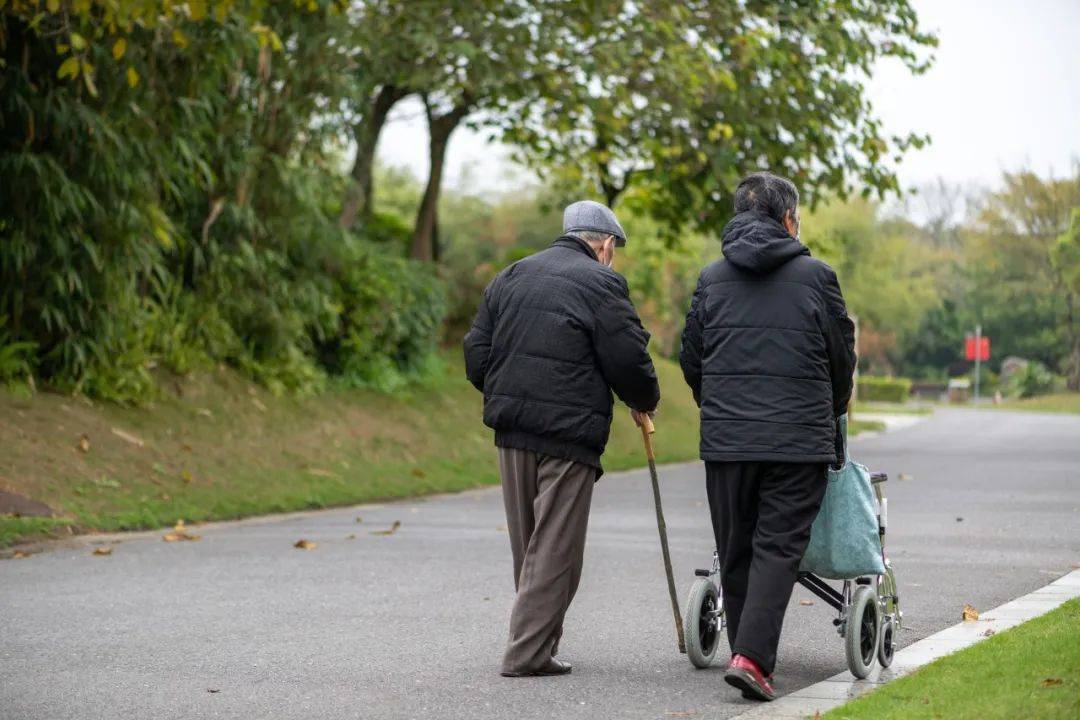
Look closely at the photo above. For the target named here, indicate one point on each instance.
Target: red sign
(984, 348)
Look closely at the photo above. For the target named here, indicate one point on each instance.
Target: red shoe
(746, 675)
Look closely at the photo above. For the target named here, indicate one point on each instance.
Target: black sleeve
(690, 347)
(840, 339)
(621, 344)
(477, 342)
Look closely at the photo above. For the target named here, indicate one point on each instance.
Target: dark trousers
(761, 515)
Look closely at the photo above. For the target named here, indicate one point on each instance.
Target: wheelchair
(869, 616)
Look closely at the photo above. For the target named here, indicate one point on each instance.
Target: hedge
(884, 389)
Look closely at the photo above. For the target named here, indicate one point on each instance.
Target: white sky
(1004, 93)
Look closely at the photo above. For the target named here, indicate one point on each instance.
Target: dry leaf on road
(969, 613)
(19, 555)
(180, 533)
(393, 529)
(84, 444)
(350, 536)
(102, 551)
(806, 602)
(304, 545)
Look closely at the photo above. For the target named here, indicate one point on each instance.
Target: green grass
(1030, 671)
(1059, 403)
(217, 447)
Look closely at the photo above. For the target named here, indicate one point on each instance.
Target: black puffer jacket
(768, 348)
(554, 335)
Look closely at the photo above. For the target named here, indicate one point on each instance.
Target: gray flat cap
(589, 216)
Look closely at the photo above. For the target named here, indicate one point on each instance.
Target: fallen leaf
(320, 473)
(304, 545)
(213, 690)
(678, 713)
(258, 404)
(393, 529)
(350, 536)
(959, 519)
(359, 519)
(187, 477)
(989, 632)
(102, 551)
(19, 555)
(969, 613)
(205, 413)
(180, 534)
(806, 602)
(417, 472)
(128, 437)
(1051, 682)
(84, 444)
(906, 476)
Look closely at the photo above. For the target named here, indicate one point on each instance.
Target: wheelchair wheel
(887, 646)
(702, 622)
(861, 631)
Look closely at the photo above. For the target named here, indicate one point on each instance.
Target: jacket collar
(569, 241)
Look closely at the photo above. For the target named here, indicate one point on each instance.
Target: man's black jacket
(768, 348)
(554, 335)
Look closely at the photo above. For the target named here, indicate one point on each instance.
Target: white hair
(593, 238)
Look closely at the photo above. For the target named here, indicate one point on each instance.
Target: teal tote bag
(844, 541)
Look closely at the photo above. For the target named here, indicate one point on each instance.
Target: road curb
(838, 689)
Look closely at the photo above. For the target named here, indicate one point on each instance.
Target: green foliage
(883, 389)
(683, 99)
(16, 358)
(390, 311)
(1031, 380)
(183, 220)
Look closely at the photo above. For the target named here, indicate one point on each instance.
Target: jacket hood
(755, 242)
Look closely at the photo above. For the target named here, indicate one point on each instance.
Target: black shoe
(553, 667)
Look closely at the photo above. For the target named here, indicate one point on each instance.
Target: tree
(685, 98)
(1065, 259)
(1016, 289)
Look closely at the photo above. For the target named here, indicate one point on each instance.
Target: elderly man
(768, 351)
(554, 335)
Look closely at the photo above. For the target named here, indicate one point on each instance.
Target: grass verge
(217, 448)
(1030, 671)
(1059, 403)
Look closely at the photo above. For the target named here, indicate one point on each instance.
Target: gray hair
(766, 193)
(593, 238)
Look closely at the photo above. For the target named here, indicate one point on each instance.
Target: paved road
(242, 625)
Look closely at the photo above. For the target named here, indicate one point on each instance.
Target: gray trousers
(547, 512)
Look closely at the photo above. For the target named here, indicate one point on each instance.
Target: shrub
(1032, 379)
(390, 311)
(16, 358)
(883, 389)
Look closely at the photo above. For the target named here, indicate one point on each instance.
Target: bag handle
(841, 440)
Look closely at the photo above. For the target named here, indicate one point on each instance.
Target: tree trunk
(426, 233)
(357, 201)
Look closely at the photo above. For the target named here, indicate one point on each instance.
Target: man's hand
(638, 415)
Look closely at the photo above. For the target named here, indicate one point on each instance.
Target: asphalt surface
(411, 625)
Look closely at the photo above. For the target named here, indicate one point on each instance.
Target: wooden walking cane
(647, 430)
